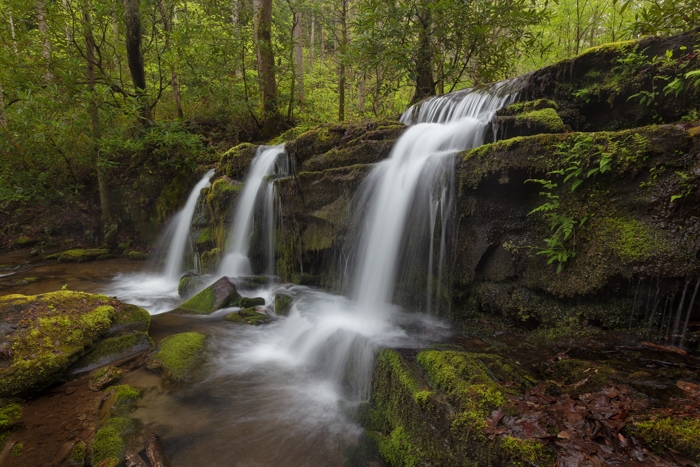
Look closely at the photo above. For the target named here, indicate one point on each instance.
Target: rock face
(220, 294)
(45, 334)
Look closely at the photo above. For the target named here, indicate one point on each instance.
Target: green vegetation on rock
(248, 316)
(547, 119)
(220, 294)
(682, 435)
(17, 449)
(114, 348)
(107, 444)
(178, 355)
(283, 304)
(248, 302)
(79, 256)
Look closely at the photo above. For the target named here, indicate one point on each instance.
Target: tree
(135, 57)
(272, 119)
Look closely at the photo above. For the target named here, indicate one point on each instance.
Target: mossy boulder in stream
(220, 294)
(79, 256)
(682, 435)
(179, 355)
(109, 444)
(247, 302)
(51, 331)
(248, 316)
(111, 350)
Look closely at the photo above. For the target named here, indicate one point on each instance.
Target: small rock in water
(134, 460)
(104, 377)
(155, 452)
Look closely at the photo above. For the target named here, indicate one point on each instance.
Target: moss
(397, 449)
(681, 435)
(107, 444)
(24, 242)
(528, 106)
(283, 304)
(124, 394)
(548, 119)
(9, 414)
(205, 240)
(78, 453)
(202, 303)
(611, 47)
(248, 316)
(179, 354)
(136, 255)
(132, 317)
(631, 240)
(67, 322)
(17, 449)
(246, 302)
(79, 256)
(104, 377)
(527, 451)
(209, 260)
(235, 162)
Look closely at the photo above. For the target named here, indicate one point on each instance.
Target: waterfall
(182, 221)
(335, 338)
(266, 162)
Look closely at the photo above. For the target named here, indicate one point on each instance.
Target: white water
(236, 262)
(157, 292)
(183, 219)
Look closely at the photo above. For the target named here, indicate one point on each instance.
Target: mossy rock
(179, 355)
(527, 106)
(130, 318)
(248, 316)
(236, 161)
(25, 242)
(111, 350)
(78, 453)
(205, 240)
(283, 304)
(109, 444)
(136, 255)
(10, 413)
(248, 302)
(220, 294)
(432, 409)
(682, 435)
(535, 122)
(79, 256)
(189, 284)
(209, 260)
(104, 377)
(60, 327)
(118, 401)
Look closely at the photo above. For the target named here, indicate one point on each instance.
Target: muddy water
(234, 413)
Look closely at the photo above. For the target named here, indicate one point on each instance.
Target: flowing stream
(281, 394)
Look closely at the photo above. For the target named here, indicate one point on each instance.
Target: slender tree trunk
(361, 92)
(425, 85)
(69, 36)
(299, 57)
(322, 33)
(341, 69)
(272, 119)
(173, 74)
(135, 57)
(44, 34)
(108, 227)
(3, 117)
(312, 41)
(256, 43)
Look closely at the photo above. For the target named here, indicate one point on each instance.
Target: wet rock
(254, 282)
(249, 316)
(283, 304)
(134, 460)
(25, 242)
(220, 294)
(129, 318)
(53, 331)
(189, 283)
(104, 377)
(179, 355)
(111, 350)
(79, 256)
(136, 255)
(155, 452)
(247, 302)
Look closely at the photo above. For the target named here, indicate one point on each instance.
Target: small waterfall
(335, 337)
(267, 161)
(182, 221)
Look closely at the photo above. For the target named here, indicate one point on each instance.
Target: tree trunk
(425, 84)
(44, 34)
(256, 43)
(361, 91)
(312, 41)
(271, 118)
(299, 57)
(93, 110)
(135, 58)
(3, 117)
(167, 25)
(341, 69)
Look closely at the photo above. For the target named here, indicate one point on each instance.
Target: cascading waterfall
(335, 337)
(267, 160)
(183, 221)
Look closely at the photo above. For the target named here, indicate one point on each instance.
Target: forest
(95, 95)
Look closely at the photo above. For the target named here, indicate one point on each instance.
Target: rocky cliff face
(589, 198)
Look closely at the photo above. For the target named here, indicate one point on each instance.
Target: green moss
(246, 302)
(17, 449)
(631, 240)
(202, 303)
(179, 354)
(248, 316)
(611, 47)
(78, 453)
(397, 449)
(9, 414)
(132, 317)
(205, 239)
(67, 323)
(79, 256)
(528, 106)
(107, 444)
(283, 304)
(136, 255)
(209, 260)
(527, 451)
(124, 394)
(23, 242)
(103, 377)
(547, 118)
(683, 435)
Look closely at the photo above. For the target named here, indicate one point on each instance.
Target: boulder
(179, 355)
(249, 316)
(220, 294)
(248, 302)
(79, 256)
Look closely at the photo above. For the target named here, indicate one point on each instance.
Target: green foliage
(666, 17)
(681, 435)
